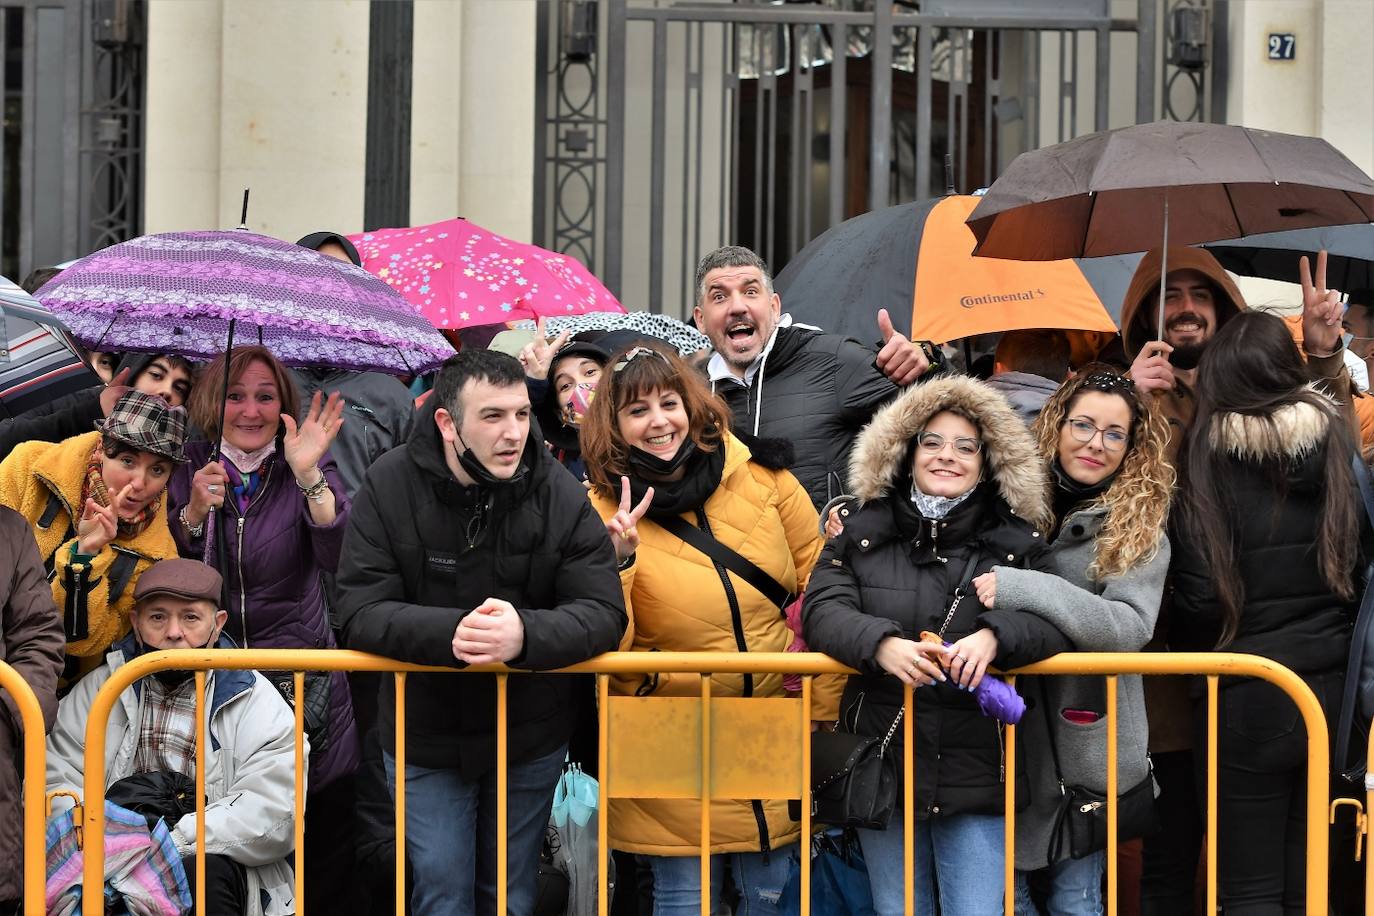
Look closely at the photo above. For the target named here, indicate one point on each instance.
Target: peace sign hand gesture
(306, 444)
(1321, 311)
(537, 355)
(622, 526)
(99, 524)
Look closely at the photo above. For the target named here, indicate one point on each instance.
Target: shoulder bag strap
(1349, 696)
(765, 584)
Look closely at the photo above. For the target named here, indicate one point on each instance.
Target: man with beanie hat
(250, 761)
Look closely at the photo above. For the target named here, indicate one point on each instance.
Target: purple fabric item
(280, 600)
(176, 292)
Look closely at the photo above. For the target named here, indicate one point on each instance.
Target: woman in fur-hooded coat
(948, 484)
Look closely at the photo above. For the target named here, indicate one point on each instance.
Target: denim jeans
(1075, 888)
(677, 882)
(963, 853)
(451, 835)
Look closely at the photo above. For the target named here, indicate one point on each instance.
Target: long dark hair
(1252, 368)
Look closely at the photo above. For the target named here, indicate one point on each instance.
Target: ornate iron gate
(72, 149)
(667, 127)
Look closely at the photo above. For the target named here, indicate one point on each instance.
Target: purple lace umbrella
(182, 293)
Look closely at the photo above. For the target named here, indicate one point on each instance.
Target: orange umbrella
(916, 260)
(964, 295)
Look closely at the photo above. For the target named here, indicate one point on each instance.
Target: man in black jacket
(791, 382)
(472, 545)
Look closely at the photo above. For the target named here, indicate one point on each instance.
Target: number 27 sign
(1282, 46)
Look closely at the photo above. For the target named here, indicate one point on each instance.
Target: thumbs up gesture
(900, 360)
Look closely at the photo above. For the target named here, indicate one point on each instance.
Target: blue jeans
(963, 854)
(677, 882)
(451, 835)
(1075, 888)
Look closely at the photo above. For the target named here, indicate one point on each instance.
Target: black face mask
(173, 678)
(478, 471)
(642, 461)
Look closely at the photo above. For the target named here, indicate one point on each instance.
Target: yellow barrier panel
(712, 766)
(35, 779)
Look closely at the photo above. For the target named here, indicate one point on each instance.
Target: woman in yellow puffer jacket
(659, 454)
(95, 504)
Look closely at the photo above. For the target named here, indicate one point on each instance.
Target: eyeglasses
(934, 444)
(632, 354)
(1113, 438)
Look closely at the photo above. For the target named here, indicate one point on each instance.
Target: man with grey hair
(790, 382)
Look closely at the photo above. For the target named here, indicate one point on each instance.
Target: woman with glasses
(1111, 485)
(948, 484)
(688, 506)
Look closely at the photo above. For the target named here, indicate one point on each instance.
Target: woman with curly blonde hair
(1110, 489)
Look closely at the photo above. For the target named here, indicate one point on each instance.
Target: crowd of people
(880, 502)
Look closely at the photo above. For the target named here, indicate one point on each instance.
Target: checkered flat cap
(148, 423)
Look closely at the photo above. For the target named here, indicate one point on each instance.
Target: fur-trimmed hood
(1293, 431)
(1010, 456)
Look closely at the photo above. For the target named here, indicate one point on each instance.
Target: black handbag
(1082, 813)
(157, 795)
(316, 713)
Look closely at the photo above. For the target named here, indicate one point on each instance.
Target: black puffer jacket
(408, 575)
(1276, 487)
(817, 391)
(895, 573)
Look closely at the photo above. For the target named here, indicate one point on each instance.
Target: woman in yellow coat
(94, 502)
(659, 454)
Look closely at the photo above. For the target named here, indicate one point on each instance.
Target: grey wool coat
(1115, 615)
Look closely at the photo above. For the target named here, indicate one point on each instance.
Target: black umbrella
(1275, 255)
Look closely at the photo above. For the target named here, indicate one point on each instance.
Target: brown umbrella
(1110, 192)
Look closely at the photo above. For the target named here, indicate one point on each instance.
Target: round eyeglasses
(1114, 438)
(934, 443)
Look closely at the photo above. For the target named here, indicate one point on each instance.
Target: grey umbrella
(1275, 255)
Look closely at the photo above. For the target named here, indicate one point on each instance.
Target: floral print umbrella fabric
(176, 292)
(460, 275)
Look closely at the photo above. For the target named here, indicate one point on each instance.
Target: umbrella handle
(1163, 270)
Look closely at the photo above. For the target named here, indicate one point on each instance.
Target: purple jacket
(278, 600)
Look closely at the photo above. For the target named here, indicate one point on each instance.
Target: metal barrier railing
(34, 775)
(723, 728)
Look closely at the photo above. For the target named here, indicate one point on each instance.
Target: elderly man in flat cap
(250, 760)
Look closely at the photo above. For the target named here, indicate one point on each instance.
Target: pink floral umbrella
(458, 274)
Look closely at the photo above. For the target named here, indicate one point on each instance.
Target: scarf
(937, 506)
(701, 477)
(247, 462)
(94, 488)
(1069, 495)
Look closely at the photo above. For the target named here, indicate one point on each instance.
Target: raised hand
(537, 355)
(98, 524)
(622, 526)
(114, 390)
(1321, 310)
(1151, 370)
(306, 444)
(900, 360)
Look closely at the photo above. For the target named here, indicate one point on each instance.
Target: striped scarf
(94, 488)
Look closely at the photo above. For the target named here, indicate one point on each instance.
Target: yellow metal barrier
(722, 727)
(35, 779)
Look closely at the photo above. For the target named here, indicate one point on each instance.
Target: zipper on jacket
(243, 517)
(762, 822)
(736, 619)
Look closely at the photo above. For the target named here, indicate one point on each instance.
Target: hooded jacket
(815, 390)
(1027, 393)
(680, 601)
(273, 557)
(42, 481)
(378, 411)
(416, 562)
(1290, 614)
(1138, 327)
(895, 573)
(31, 643)
(250, 770)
